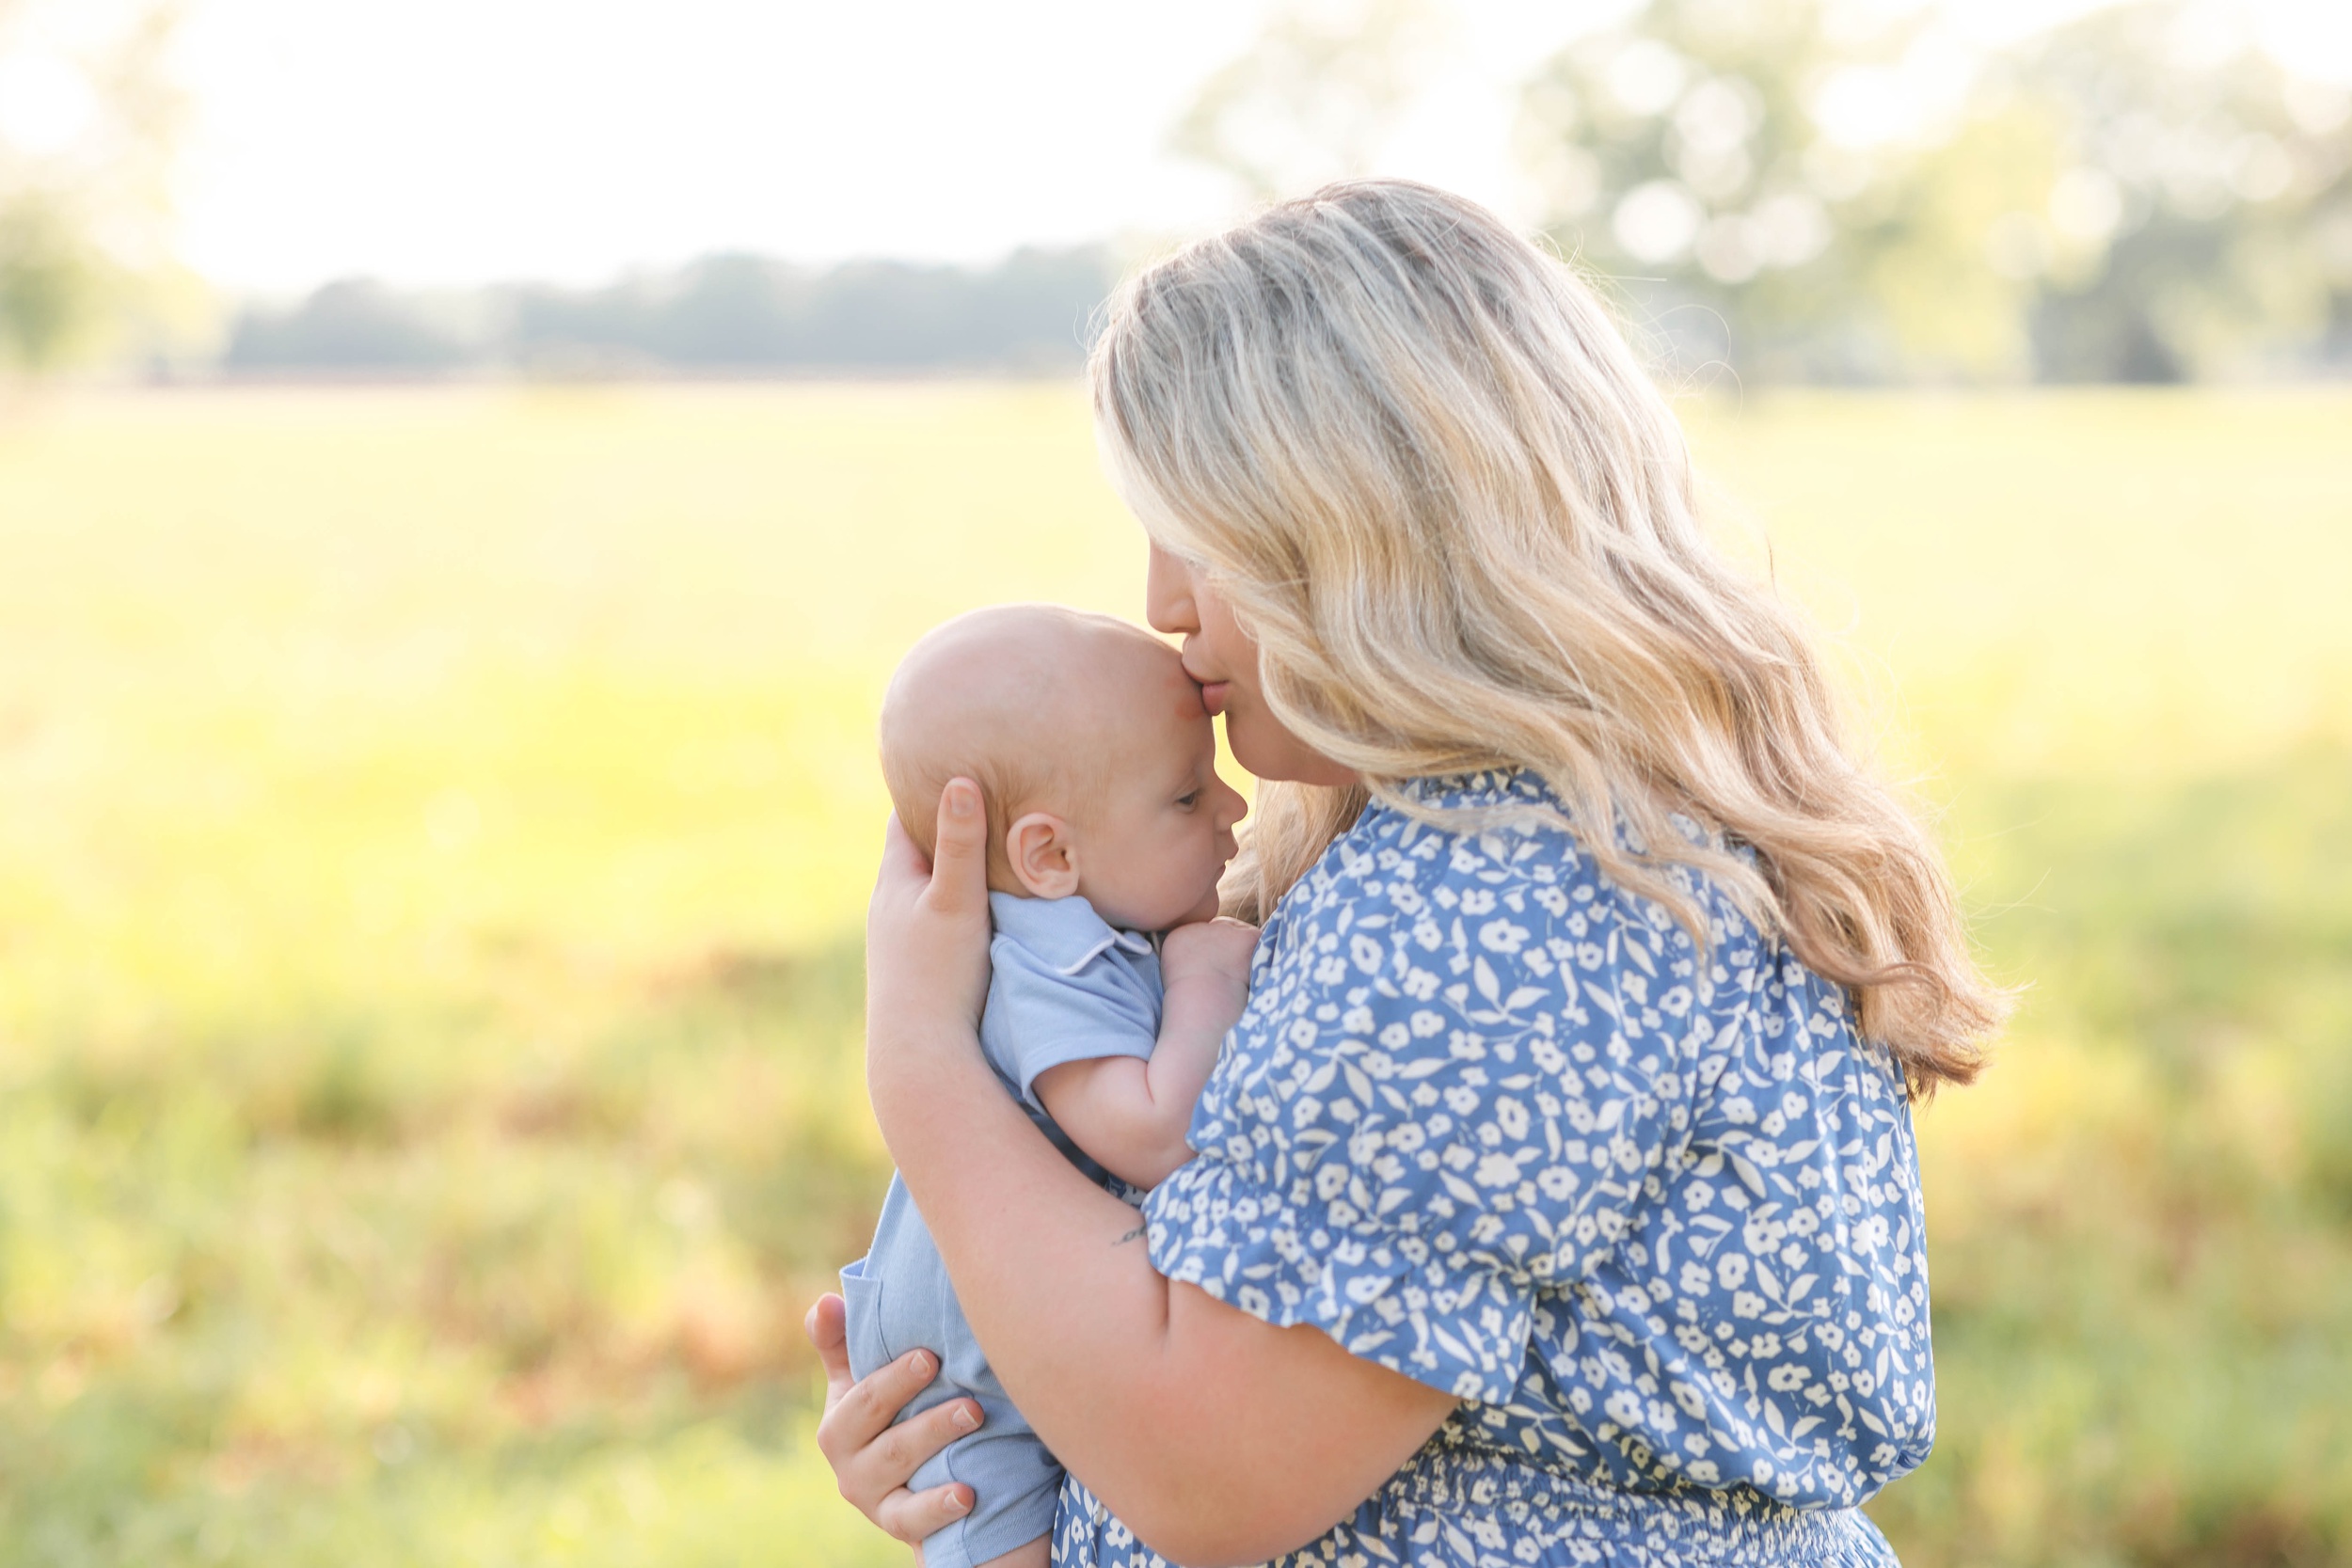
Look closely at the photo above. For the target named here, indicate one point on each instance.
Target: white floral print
(1650, 1209)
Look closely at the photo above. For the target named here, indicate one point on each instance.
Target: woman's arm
(1131, 1116)
(1215, 1436)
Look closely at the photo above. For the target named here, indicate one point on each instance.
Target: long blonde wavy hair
(1420, 461)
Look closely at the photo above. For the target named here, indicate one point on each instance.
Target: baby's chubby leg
(1036, 1553)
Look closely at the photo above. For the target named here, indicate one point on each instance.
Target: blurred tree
(88, 119)
(1828, 190)
(2201, 217)
(50, 280)
(1315, 96)
(1799, 189)
(351, 324)
(2137, 196)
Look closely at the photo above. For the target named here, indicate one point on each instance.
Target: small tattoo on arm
(1129, 1237)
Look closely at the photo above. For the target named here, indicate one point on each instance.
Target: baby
(1106, 823)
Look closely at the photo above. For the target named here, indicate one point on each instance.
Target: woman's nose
(1167, 596)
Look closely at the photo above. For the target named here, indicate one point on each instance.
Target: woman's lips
(1212, 696)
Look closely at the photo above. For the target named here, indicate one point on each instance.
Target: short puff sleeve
(1459, 1068)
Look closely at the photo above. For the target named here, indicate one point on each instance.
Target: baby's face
(1161, 826)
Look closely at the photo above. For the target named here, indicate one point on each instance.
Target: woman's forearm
(1215, 1436)
(1050, 1269)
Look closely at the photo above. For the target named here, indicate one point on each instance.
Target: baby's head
(1090, 745)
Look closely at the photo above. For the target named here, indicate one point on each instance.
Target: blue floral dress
(1651, 1210)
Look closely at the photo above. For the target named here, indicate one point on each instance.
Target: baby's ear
(1045, 855)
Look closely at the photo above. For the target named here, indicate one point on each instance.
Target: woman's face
(1178, 600)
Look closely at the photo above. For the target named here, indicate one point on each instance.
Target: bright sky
(460, 140)
(457, 139)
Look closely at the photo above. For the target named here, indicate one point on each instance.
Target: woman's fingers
(904, 1448)
(901, 857)
(828, 1329)
(959, 860)
(927, 935)
(872, 1460)
(859, 1417)
(912, 1515)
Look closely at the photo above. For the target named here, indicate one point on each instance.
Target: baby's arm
(1129, 1115)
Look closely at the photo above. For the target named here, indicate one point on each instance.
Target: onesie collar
(1065, 932)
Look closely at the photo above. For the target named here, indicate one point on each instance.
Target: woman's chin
(1260, 743)
(1266, 756)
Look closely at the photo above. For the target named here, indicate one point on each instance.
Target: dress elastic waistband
(1736, 1528)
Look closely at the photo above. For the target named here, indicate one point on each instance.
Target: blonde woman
(1555, 1199)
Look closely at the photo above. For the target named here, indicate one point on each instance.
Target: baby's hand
(1216, 949)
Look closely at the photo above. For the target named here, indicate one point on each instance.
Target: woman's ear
(1045, 855)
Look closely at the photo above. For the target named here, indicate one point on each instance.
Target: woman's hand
(872, 1460)
(927, 935)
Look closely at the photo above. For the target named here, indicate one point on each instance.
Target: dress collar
(1491, 786)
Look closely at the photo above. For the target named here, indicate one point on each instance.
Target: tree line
(721, 314)
(1800, 190)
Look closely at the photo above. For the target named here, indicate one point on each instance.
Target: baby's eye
(1189, 800)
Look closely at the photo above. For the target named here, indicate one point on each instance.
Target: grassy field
(434, 827)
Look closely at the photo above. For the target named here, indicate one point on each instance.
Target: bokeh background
(466, 471)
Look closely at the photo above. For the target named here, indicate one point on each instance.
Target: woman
(1555, 1199)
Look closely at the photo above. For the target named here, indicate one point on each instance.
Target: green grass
(434, 828)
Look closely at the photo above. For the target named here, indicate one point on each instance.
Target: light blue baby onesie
(1065, 986)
